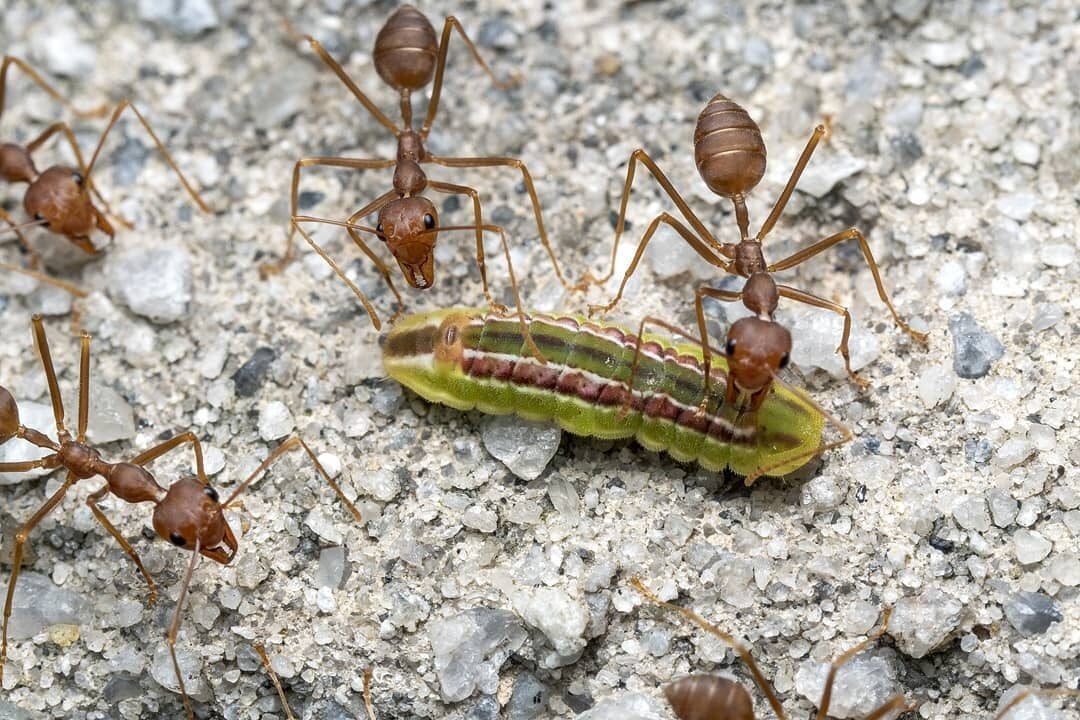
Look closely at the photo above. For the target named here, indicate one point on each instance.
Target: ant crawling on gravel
(189, 513)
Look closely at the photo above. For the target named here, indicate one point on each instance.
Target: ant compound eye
(429, 222)
(177, 539)
(78, 178)
(784, 360)
(210, 493)
(729, 349)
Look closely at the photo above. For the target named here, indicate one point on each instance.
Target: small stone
(557, 615)
(669, 256)
(820, 178)
(183, 17)
(974, 349)
(909, 10)
(627, 706)
(331, 570)
(970, 514)
(945, 54)
(1013, 452)
(248, 378)
(155, 282)
(323, 526)
(1031, 613)
(111, 417)
(1026, 151)
(63, 634)
(951, 278)
(524, 446)
(1057, 254)
(936, 384)
(818, 333)
(564, 497)
(480, 518)
(1017, 206)
(470, 648)
(921, 624)
(62, 50)
(190, 661)
(1065, 568)
(861, 685)
(38, 603)
(382, 485)
(1031, 547)
(275, 421)
(529, 699)
(1003, 507)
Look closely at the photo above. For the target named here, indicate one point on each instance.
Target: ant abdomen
(708, 697)
(728, 148)
(406, 49)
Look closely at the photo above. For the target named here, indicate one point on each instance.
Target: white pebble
(275, 421)
(1031, 547)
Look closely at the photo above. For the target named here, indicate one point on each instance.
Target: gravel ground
(473, 591)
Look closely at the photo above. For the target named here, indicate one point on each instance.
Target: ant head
(16, 165)
(60, 200)
(756, 350)
(191, 511)
(709, 696)
(9, 416)
(408, 226)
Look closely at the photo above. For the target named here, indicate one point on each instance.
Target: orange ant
(61, 198)
(709, 697)
(705, 696)
(189, 513)
(730, 156)
(407, 56)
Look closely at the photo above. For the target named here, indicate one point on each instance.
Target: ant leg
(84, 387)
(16, 229)
(49, 461)
(815, 301)
(451, 23)
(335, 66)
(851, 234)
(739, 648)
(261, 650)
(149, 455)
(41, 344)
(43, 278)
(640, 156)
(289, 445)
(897, 703)
(793, 180)
(843, 659)
(352, 228)
(93, 500)
(534, 198)
(174, 628)
(273, 268)
(695, 243)
(478, 218)
(17, 558)
(40, 82)
(368, 707)
(368, 307)
(125, 105)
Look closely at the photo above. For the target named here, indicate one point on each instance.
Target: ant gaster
(61, 198)
(188, 513)
(729, 152)
(408, 56)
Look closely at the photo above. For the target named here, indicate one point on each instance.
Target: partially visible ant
(701, 697)
(709, 697)
(265, 659)
(407, 56)
(61, 198)
(189, 513)
(730, 155)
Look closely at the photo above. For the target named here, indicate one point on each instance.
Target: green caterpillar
(471, 358)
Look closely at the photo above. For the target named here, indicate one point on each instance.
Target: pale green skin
(787, 430)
